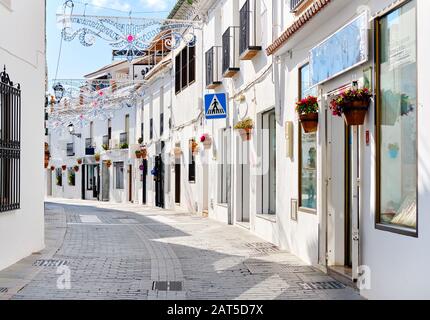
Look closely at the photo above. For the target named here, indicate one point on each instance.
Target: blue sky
(76, 60)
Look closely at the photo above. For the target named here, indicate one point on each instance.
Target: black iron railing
(89, 148)
(230, 49)
(248, 27)
(294, 4)
(10, 144)
(123, 139)
(213, 66)
(70, 149)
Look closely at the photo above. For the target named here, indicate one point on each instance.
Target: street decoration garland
(86, 100)
(132, 35)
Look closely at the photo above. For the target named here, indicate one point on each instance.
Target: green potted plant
(307, 110)
(245, 128)
(124, 146)
(138, 154)
(140, 140)
(105, 147)
(352, 104)
(71, 178)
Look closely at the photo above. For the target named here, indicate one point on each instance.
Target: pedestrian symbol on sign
(216, 106)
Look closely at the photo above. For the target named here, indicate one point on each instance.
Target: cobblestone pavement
(132, 252)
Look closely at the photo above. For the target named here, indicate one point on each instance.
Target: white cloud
(114, 4)
(155, 4)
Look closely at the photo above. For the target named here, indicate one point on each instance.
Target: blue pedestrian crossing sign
(216, 106)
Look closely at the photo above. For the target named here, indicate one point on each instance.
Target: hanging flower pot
(308, 113)
(177, 152)
(206, 140)
(245, 128)
(79, 161)
(64, 167)
(194, 147)
(352, 105)
(144, 153)
(52, 168)
(138, 154)
(108, 163)
(76, 168)
(97, 157)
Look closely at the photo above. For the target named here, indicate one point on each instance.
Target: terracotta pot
(355, 113)
(144, 154)
(64, 168)
(138, 155)
(246, 134)
(309, 122)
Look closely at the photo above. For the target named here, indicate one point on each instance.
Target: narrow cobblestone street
(132, 252)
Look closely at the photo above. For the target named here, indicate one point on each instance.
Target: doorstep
(342, 274)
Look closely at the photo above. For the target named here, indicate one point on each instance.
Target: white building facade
(22, 134)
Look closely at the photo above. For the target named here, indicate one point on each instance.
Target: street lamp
(72, 131)
(58, 91)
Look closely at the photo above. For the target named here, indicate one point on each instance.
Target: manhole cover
(49, 263)
(261, 268)
(262, 248)
(326, 285)
(4, 290)
(167, 286)
(128, 221)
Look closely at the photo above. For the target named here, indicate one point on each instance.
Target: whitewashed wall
(22, 50)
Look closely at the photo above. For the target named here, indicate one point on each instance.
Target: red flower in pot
(352, 104)
(307, 109)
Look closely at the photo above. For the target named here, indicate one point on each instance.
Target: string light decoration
(86, 100)
(132, 35)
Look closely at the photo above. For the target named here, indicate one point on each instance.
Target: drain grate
(325, 285)
(167, 286)
(49, 263)
(4, 290)
(262, 248)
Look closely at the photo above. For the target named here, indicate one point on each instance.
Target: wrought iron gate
(10, 143)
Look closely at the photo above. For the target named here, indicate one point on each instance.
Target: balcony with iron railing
(123, 140)
(213, 67)
(230, 52)
(89, 147)
(70, 149)
(249, 43)
(296, 4)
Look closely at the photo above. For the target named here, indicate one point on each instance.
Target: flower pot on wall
(355, 112)
(246, 134)
(309, 122)
(206, 140)
(64, 167)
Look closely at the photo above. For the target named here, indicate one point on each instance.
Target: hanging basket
(245, 134)
(355, 112)
(309, 122)
(177, 152)
(108, 163)
(64, 167)
(138, 154)
(144, 153)
(97, 158)
(76, 168)
(206, 140)
(79, 161)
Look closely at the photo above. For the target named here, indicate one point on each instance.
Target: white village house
(22, 95)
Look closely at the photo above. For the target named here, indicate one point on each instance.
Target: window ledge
(308, 211)
(270, 218)
(397, 230)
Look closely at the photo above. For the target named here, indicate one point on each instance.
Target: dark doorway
(106, 182)
(96, 179)
(83, 186)
(130, 183)
(144, 181)
(159, 182)
(178, 182)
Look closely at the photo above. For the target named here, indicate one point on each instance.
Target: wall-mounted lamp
(72, 131)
